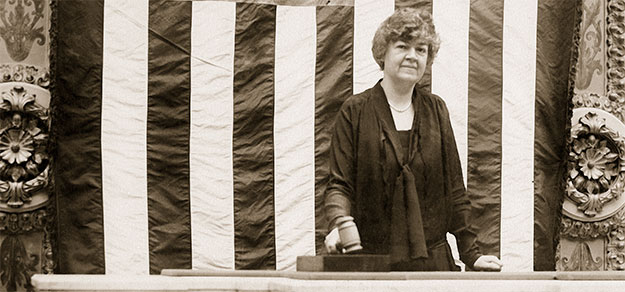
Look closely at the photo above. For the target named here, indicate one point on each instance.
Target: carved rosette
(596, 165)
(24, 161)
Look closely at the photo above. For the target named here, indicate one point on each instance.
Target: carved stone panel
(610, 95)
(580, 255)
(24, 26)
(592, 230)
(591, 64)
(616, 55)
(616, 250)
(26, 201)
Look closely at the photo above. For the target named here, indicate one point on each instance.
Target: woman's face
(405, 62)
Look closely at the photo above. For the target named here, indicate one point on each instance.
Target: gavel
(348, 233)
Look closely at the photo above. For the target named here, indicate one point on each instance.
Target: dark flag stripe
(253, 145)
(419, 4)
(426, 80)
(290, 2)
(333, 84)
(484, 118)
(554, 39)
(169, 50)
(76, 123)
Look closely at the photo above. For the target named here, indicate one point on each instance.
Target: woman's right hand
(333, 242)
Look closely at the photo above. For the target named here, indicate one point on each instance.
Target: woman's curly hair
(408, 25)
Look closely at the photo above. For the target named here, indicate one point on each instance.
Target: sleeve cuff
(336, 206)
(469, 260)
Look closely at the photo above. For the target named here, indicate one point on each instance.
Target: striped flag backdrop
(193, 134)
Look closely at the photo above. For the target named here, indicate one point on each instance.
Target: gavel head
(348, 233)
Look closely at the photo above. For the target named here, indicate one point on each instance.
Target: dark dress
(404, 198)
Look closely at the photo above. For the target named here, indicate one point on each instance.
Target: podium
(344, 263)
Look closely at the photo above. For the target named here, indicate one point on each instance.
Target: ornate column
(592, 234)
(26, 200)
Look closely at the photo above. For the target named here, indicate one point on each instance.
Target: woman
(394, 165)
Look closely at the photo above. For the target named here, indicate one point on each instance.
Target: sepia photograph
(312, 145)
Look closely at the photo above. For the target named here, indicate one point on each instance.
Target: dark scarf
(407, 235)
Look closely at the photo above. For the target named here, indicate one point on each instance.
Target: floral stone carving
(616, 51)
(614, 100)
(590, 58)
(615, 104)
(24, 161)
(22, 25)
(596, 165)
(17, 265)
(615, 242)
(582, 230)
(580, 259)
(616, 250)
(28, 74)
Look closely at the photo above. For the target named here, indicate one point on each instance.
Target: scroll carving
(575, 53)
(16, 223)
(581, 259)
(27, 74)
(590, 58)
(22, 25)
(616, 250)
(614, 101)
(585, 230)
(17, 265)
(48, 233)
(614, 105)
(616, 53)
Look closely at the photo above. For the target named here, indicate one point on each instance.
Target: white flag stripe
(294, 134)
(450, 70)
(210, 145)
(368, 14)
(450, 74)
(124, 118)
(517, 170)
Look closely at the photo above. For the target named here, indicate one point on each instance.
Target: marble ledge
(337, 281)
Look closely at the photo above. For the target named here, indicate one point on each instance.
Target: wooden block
(344, 263)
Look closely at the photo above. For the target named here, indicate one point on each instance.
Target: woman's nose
(411, 53)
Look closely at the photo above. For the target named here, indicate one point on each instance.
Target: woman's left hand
(487, 263)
